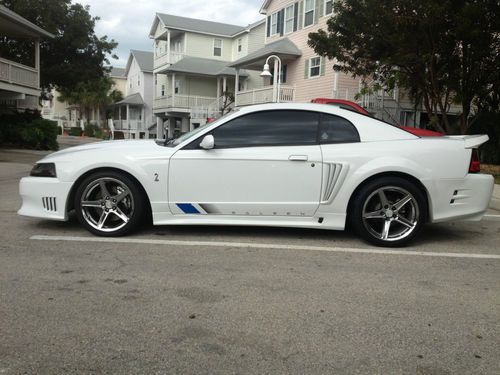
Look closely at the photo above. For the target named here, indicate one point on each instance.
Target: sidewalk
(495, 199)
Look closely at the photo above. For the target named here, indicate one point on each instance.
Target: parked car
(288, 165)
(352, 106)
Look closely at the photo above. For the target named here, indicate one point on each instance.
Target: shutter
(268, 26)
(306, 70)
(281, 21)
(318, 12)
(301, 14)
(295, 16)
(322, 66)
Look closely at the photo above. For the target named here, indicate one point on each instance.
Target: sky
(128, 22)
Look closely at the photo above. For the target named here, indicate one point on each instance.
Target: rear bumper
(44, 198)
(461, 199)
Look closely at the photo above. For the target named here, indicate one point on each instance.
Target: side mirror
(208, 142)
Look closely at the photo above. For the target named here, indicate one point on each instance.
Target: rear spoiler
(472, 141)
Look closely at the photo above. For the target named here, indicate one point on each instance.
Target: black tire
(122, 199)
(373, 220)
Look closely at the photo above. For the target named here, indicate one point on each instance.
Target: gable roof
(264, 6)
(282, 47)
(117, 72)
(12, 24)
(134, 99)
(202, 66)
(144, 60)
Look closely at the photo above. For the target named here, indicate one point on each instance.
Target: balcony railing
(165, 58)
(183, 101)
(131, 125)
(265, 95)
(18, 74)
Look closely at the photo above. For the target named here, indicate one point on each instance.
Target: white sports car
(291, 165)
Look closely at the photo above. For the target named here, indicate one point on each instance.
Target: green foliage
(75, 55)
(28, 130)
(440, 51)
(75, 131)
(488, 123)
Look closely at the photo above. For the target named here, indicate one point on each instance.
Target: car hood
(128, 148)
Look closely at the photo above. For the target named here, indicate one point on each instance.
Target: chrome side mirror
(208, 142)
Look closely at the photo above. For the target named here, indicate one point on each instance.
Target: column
(159, 128)
(171, 127)
(236, 84)
(224, 84)
(168, 47)
(184, 125)
(173, 89)
(275, 81)
(37, 61)
(218, 87)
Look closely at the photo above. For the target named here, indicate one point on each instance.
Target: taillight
(475, 165)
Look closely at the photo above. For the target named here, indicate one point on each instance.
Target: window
(274, 23)
(162, 90)
(309, 12)
(328, 7)
(314, 66)
(240, 44)
(177, 86)
(269, 128)
(289, 18)
(217, 47)
(138, 80)
(336, 129)
(282, 76)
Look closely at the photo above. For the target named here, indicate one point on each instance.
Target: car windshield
(177, 141)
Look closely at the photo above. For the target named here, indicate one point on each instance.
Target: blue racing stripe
(188, 208)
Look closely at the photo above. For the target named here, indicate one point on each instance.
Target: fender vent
(49, 203)
(331, 177)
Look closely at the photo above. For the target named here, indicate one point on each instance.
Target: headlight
(44, 170)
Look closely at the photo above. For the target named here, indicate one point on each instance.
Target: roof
(117, 72)
(197, 25)
(264, 6)
(283, 47)
(202, 66)
(12, 24)
(134, 99)
(143, 58)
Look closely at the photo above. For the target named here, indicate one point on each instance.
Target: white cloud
(128, 21)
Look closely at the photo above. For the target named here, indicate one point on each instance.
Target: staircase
(383, 104)
(212, 110)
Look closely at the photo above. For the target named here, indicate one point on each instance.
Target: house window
(274, 23)
(162, 90)
(309, 12)
(138, 80)
(177, 86)
(314, 66)
(217, 47)
(282, 76)
(289, 18)
(240, 44)
(328, 7)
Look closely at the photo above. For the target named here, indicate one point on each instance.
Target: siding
(199, 45)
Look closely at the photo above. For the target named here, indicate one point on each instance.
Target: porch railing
(166, 58)
(183, 101)
(18, 74)
(265, 95)
(130, 125)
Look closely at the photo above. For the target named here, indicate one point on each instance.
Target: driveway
(212, 300)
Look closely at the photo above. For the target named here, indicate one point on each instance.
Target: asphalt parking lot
(210, 300)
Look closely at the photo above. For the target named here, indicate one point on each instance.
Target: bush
(488, 123)
(75, 131)
(91, 130)
(28, 130)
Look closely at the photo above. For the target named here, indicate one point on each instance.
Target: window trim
(324, 8)
(304, 15)
(271, 31)
(213, 47)
(288, 19)
(315, 66)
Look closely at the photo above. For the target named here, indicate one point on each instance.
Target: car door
(265, 163)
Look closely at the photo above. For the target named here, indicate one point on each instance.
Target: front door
(263, 164)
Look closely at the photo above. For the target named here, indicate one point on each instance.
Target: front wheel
(389, 211)
(109, 203)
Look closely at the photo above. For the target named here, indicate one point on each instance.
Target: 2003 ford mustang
(291, 165)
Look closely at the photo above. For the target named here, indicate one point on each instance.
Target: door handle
(298, 157)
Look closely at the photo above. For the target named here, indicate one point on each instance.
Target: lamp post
(277, 71)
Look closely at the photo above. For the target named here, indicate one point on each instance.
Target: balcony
(129, 125)
(166, 58)
(18, 74)
(183, 102)
(265, 95)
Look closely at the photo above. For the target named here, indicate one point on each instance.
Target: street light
(267, 73)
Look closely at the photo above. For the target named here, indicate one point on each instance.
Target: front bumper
(461, 199)
(44, 197)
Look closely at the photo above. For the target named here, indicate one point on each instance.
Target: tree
(440, 51)
(74, 56)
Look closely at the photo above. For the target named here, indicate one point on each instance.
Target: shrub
(75, 131)
(488, 123)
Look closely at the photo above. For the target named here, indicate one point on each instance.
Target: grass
(492, 169)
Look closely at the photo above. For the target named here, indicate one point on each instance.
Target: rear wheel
(109, 203)
(389, 211)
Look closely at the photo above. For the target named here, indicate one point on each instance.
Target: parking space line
(263, 246)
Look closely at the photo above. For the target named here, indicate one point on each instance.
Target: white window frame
(177, 86)
(324, 9)
(292, 18)
(162, 91)
(240, 45)
(311, 66)
(274, 24)
(313, 10)
(214, 47)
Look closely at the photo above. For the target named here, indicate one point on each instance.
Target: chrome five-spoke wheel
(108, 204)
(388, 211)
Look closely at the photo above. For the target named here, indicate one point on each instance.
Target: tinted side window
(269, 128)
(336, 129)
